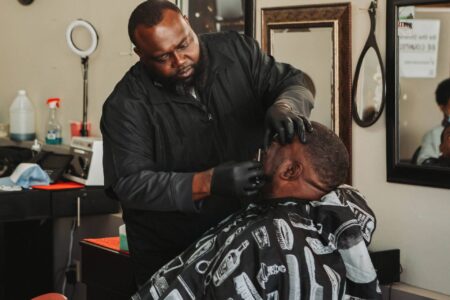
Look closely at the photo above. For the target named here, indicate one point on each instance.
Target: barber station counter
(27, 235)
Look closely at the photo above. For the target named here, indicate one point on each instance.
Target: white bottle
(21, 118)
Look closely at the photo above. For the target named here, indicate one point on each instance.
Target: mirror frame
(371, 42)
(397, 171)
(338, 17)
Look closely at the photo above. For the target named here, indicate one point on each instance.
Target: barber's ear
(291, 170)
(187, 19)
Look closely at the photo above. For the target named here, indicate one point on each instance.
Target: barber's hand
(237, 179)
(285, 121)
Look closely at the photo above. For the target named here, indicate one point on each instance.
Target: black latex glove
(237, 179)
(284, 121)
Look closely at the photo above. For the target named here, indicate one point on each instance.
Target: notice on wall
(418, 48)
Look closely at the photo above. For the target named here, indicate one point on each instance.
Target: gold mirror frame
(338, 18)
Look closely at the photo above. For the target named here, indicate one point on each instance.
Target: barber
(181, 127)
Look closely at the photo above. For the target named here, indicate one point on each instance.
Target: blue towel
(26, 175)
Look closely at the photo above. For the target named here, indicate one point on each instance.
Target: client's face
(274, 157)
(445, 145)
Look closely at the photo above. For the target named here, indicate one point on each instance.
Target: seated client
(306, 240)
(444, 159)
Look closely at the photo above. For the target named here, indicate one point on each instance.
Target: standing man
(181, 127)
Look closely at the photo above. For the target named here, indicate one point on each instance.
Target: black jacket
(154, 139)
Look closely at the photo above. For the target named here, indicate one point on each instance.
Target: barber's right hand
(237, 179)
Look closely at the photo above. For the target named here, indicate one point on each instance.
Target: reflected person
(306, 240)
(432, 139)
(444, 159)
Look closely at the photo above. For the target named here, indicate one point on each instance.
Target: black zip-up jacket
(155, 139)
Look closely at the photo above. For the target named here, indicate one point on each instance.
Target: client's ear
(291, 170)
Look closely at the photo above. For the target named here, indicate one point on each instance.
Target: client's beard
(267, 188)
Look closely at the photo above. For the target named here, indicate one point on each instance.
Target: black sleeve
(129, 159)
(274, 81)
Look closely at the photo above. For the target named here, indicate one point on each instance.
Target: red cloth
(63, 185)
(112, 243)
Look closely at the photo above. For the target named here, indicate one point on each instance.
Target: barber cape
(278, 249)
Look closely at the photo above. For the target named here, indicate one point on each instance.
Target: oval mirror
(368, 95)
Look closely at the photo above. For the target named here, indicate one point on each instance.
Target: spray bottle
(53, 130)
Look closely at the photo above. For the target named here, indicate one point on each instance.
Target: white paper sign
(418, 50)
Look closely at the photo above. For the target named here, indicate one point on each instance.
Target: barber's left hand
(285, 121)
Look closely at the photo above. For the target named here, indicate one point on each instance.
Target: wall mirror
(317, 40)
(417, 60)
(368, 94)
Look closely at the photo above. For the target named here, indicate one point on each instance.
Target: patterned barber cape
(278, 249)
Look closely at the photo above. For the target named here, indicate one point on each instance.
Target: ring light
(92, 32)
(84, 54)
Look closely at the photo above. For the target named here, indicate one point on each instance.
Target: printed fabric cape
(279, 249)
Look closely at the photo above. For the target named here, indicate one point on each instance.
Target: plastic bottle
(21, 118)
(53, 130)
(35, 148)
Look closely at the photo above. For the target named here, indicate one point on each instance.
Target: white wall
(34, 56)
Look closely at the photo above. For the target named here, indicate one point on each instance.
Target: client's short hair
(328, 155)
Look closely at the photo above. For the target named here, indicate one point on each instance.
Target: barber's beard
(174, 80)
(184, 86)
(198, 78)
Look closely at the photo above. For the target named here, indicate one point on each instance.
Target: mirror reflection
(316, 38)
(369, 89)
(423, 35)
(315, 42)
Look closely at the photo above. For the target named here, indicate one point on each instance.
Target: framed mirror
(317, 40)
(417, 61)
(368, 94)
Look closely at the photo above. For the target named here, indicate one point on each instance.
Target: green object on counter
(123, 243)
